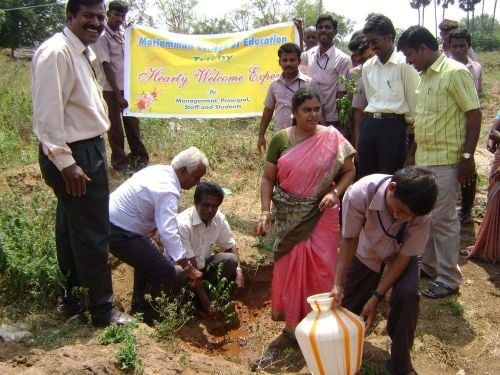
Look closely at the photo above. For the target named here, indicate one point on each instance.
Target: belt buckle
(377, 115)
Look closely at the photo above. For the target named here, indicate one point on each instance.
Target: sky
(399, 11)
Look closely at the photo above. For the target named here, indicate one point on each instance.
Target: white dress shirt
(198, 239)
(390, 87)
(67, 100)
(147, 201)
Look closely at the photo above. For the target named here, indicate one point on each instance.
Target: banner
(201, 76)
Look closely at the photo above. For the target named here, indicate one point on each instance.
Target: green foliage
(17, 142)
(174, 312)
(28, 27)
(485, 32)
(344, 104)
(28, 263)
(221, 294)
(127, 357)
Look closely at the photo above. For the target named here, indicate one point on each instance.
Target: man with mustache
(109, 50)
(69, 119)
(281, 90)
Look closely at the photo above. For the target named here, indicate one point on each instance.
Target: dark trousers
(468, 196)
(153, 272)
(138, 153)
(360, 283)
(381, 145)
(82, 229)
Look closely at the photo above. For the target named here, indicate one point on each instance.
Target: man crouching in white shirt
(200, 228)
(146, 202)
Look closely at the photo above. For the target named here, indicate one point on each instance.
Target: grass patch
(28, 264)
(446, 308)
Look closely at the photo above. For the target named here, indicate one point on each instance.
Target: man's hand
(338, 294)
(194, 275)
(240, 279)
(122, 102)
(466, 171)
(261, 144)
(369, 312)
(213, 312)
(75, 179)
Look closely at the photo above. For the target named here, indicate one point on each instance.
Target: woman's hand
(264, 223)
(330, 199)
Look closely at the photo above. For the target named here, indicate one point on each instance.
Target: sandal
(438, 290)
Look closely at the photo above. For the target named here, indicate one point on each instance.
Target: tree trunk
(493, 23)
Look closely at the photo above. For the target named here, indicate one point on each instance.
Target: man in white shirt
(69, 119)
(145, 203)
(202, 227)
(389, 85)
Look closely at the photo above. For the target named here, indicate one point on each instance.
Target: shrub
(27, 248)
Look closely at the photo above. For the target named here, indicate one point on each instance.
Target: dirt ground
(455, 335)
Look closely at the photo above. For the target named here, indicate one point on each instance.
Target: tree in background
(420, 4)
(445, 4)
(487, 33)
(177, 15)
(138, 13)
(469, 6)
(31, 25)
(213, 26)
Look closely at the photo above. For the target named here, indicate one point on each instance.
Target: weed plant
(28, 266)
(128, 357)
(17, 142)
(173, 311)
(221, 294)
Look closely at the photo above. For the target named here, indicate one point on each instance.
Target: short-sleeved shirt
(325, 70)
(445, 92)
(199, 239)
(279, 97)
(109, 48)
(361, 206)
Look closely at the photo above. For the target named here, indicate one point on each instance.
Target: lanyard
(326, 63)
(288, 87)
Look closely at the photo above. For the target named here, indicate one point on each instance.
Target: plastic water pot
(330, 338)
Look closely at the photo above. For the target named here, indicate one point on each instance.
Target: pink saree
(307, 170)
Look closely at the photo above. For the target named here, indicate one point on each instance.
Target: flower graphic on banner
(146, 100)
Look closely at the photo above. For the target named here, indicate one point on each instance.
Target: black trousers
(360, 283)
(82, 229)
(381, 145)
(116, 137)
(153, 272)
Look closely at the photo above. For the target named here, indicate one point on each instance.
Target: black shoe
(113, 316)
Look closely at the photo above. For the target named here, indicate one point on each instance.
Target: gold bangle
(265, 213)
(336, 192)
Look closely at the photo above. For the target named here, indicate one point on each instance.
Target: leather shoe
(114, 316)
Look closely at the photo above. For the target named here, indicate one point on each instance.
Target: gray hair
(190, 158)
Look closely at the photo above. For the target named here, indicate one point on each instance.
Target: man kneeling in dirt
(145, 203)
(202, 227)
(386, 222)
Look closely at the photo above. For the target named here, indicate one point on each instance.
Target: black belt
(384, 116)
(83, 141)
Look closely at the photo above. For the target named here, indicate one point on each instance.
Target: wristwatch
(378, 295)
(466, 155)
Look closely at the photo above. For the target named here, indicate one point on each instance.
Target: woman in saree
(487, 246)
(308, 167)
